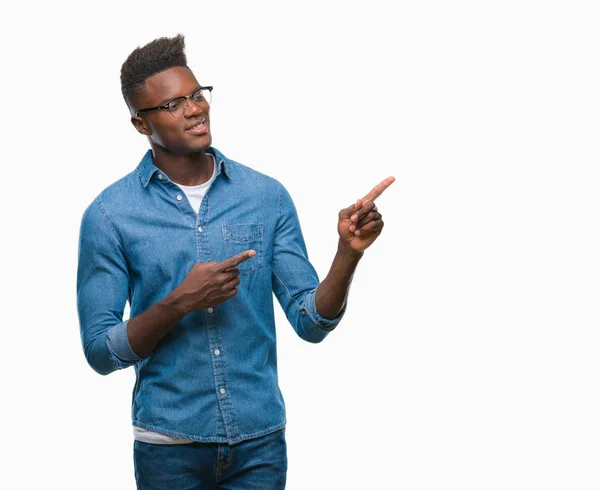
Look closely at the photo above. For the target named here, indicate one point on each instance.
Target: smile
(198, 128)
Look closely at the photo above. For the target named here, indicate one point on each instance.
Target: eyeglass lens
(179, 106)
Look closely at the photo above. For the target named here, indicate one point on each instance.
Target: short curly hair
(143, 62)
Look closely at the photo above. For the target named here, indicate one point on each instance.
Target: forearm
(332, 293)
(145, 330)
(208, 284)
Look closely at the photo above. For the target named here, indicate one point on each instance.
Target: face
(182, 135)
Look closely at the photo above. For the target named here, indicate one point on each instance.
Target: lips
(199, 127)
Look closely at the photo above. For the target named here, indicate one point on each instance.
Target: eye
(198, 96)
(175, 105)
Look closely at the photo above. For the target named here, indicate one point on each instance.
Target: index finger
(235, 260)
(378, 189)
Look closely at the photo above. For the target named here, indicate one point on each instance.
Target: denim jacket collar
(146, 167)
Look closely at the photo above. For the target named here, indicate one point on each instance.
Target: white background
(469, 355)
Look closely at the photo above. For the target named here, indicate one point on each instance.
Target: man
(197, 243)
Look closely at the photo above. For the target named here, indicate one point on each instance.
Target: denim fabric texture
(257, 464)
(213, 378)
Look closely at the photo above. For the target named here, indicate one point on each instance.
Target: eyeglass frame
(166, 105)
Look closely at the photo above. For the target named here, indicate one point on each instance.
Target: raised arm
(359, 225)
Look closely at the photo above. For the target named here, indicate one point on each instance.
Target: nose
(191, 109)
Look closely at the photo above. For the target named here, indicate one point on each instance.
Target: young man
(197, 244)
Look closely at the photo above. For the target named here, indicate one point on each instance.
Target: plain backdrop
(468, 358)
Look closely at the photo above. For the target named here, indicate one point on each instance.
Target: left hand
(359, 225)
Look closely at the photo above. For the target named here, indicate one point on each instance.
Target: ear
(141, 125)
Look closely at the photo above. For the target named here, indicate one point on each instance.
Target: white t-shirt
(195, 194)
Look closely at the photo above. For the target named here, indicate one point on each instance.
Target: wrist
(176, 304)
(346, 251)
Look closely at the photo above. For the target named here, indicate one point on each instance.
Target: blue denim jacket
(213, 378)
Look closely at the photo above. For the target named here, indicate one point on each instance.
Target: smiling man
(197, 243)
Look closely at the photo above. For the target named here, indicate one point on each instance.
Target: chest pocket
(239, 238)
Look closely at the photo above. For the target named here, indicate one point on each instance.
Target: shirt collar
(146, 168)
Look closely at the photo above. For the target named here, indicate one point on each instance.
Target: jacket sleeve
(102, 290)
(295, 280)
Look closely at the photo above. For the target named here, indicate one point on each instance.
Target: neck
(189, 169)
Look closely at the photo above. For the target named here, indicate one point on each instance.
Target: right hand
(211, 283)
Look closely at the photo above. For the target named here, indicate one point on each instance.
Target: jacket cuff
(310, 309)
(118, 346)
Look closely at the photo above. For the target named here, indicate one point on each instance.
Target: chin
(204, 142)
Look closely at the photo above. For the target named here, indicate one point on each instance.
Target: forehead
(168, 84)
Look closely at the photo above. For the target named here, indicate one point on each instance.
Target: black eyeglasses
(178, 106)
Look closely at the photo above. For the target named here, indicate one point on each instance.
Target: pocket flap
(243, 233)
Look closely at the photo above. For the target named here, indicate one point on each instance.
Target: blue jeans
(255, 464)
